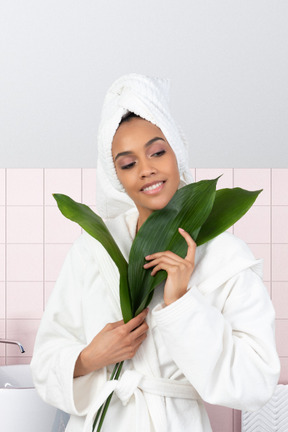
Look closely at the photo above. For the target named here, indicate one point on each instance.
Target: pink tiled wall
(35, 237)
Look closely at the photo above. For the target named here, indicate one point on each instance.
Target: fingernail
(181, 229)
(147, 256)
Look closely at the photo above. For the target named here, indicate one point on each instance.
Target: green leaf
(188, 209)
(229, 206)
(197, 208)
(94, 225)
(125, 297)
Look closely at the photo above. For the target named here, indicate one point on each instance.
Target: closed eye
(128, 166)
(160, 153)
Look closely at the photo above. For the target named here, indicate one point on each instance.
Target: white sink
(21, 407)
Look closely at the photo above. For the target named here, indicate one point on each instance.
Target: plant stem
(103, 409)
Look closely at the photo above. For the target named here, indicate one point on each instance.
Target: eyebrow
(145, 145)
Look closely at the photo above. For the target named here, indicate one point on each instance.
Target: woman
(209, 332)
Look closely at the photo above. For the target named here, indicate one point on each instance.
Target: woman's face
(146, 165)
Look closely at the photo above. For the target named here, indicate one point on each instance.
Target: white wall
(228, 61)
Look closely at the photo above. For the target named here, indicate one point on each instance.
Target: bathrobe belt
(133, 383)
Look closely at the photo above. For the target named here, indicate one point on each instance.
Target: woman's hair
(127, 117)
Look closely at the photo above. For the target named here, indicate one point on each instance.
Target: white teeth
(155, 186)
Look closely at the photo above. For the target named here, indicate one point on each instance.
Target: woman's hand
(114, 343)
(179, 270)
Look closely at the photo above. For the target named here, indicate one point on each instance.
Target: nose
(146, 168)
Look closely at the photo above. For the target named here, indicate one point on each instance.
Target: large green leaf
(197, 208)
(229, 206)
(94, 225)
(188, 209)
(125, 297)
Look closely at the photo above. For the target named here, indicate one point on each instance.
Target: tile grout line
(234, 412)
(233, 182)
(271, 228)
(81, 182)
(6, 267)
(82, 194)
(44, 238)
(55, 205)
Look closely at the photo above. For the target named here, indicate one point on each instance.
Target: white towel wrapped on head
(147, 97)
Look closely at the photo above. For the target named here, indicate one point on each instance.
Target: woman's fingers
(137, 321)
(164, 266)
(132, 324)
(178, 270)
(166, 263)
(115, 342)
(160, 255)
(190, 256)
(116, 324)
(163, 258)
(191, 245)
(167, 260)
(139, 333)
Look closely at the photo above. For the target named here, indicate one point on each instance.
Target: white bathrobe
(216, 343)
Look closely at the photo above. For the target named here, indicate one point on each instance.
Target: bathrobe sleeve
(221, 336)
(61, 338)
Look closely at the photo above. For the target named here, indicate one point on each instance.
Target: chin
(161, 205)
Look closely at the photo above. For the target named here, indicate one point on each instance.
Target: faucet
(14, 343)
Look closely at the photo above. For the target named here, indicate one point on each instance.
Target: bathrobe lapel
(221, 259)
(145, 361)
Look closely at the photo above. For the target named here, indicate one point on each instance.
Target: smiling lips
(153, 188)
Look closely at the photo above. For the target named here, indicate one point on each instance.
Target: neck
(140, 222)
(137, 226)
(143, 216)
